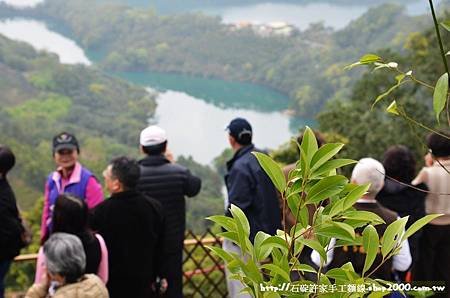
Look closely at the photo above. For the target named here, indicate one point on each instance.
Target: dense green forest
(41, 97)
(370, 131)
(307, 66)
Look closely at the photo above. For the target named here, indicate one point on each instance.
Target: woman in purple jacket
(70, 177)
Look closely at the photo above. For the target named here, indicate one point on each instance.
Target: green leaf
(440, 95)
(346, 228)
(356, 242)
(272, 169)
(365, 216)
(271, 295)
(371, 243)
(294, 187)
(378, 294)
(400, 77)
(446, 25)
(240, 219)
(392, 235)
(293, 202)
(389, 91)
(314, 244)
(261, 252)
(369, 58)
(419, 224)
(303, 217)
(304, 268)
(393, 109)
(324, 154)
(354, 195)
(308, 146)
(348, 67)
(366, 59)
(225, 256)
(232, 236)
(275, 241)
(325, 188)
(224, 221)
(274, 270)
(331, 165)
(337, 274)
(337, 208)
(337, 230)
(243, 227)
(252, 272)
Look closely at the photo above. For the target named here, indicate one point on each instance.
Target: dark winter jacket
(132, 226)
(403, 199)
(169, 183)
(251, 189)
(10, 223)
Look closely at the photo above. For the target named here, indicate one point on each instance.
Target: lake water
(194, 110)
(22, 3)
(41, 38)
(197, 128)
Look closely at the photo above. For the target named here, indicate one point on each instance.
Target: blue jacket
(251, 189)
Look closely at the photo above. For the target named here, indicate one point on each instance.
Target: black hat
(240, 129)
(65, 140)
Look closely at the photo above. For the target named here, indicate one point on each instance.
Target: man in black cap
(249, 188)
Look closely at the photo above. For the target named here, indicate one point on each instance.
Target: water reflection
(196, 128)
(223, 94)
(22, 3)
(37, 34)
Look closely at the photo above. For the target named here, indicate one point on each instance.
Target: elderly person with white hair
(368, 171)
(65, 278)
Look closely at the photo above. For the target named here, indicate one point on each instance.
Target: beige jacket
(438, 181)
(90, 286)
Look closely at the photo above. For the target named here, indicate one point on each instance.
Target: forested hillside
(307, 66)
(40, 97)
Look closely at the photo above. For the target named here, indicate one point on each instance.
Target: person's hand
(45, 281)
(163, 286)
(169, 156)
(160, 285)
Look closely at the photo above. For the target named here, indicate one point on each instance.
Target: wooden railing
(203, 273)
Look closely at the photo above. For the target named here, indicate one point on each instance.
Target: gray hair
(369, 170)
(65, 256)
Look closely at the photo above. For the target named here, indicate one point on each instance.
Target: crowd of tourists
(130, 244)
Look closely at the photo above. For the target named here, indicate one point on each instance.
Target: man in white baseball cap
(153, 135)
(168, 183)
